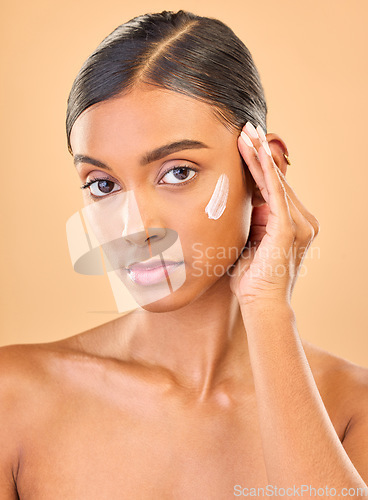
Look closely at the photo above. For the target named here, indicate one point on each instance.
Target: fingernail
(261, 133)
(251, 130)
(266, 147)
(248, 142)
(246, 139)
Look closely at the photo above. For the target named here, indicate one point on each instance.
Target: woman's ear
(278, 148)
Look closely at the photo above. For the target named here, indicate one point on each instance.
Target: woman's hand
(281, 231)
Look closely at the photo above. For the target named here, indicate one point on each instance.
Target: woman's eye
(102, 187)
(178, 175)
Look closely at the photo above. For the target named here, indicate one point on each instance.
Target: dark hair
(197, 56)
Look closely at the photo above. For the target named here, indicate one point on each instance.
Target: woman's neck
(202, 345)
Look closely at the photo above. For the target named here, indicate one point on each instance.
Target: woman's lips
(152, 272)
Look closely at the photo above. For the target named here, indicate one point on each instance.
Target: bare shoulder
(29, 363)
(41, 376)
(344, 389)
(47, 374)
(39, 383)
(30, 370)
(343, 384)
(37, 375)
(24, 371)
(21, 376)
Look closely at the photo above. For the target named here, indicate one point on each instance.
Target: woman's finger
(291, 193)
(257, 136)
(261, 160)
(268, 180)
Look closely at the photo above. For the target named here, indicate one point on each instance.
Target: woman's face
(120, 133)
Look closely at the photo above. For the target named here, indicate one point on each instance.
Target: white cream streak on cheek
(217, 203)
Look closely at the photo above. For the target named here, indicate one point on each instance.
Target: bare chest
(108, 440)
(98, 451)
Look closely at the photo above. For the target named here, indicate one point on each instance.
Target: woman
(206, 390)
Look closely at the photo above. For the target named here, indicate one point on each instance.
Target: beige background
(313, 64)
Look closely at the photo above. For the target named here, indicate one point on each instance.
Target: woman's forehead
(142, 113)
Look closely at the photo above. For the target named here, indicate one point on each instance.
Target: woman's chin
(171, 302)
(186, 295)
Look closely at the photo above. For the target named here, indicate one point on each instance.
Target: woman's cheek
(228, 212)
(217, 203)
(215, 230)
(214, 234)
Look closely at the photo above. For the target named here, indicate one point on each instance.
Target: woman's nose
(141, 238)
(141, 224)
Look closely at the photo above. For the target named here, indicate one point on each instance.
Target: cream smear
(217, 203)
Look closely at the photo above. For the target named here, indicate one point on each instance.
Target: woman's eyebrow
(150, 156)
(173, 147)
(87, 159)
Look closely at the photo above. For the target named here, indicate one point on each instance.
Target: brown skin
(156, 405)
